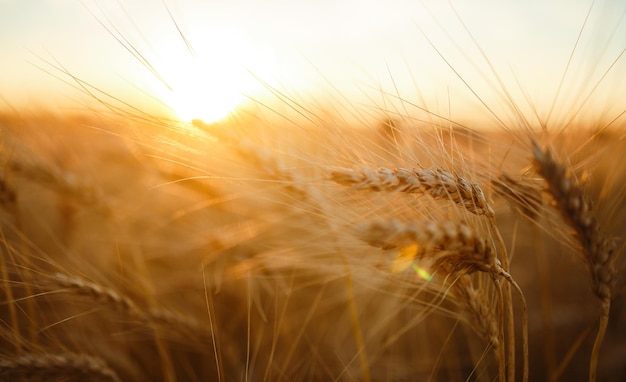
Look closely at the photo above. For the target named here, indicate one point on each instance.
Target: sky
(202, 59)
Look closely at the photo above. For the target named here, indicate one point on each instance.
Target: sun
(207, 89)
(210, 81)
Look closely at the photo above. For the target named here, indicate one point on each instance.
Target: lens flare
(421, 272)
(406, 259)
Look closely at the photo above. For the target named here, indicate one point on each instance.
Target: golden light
(205, 89)
(210, 85)
(405, 258)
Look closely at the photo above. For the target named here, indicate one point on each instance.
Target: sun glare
(211, 80)
(205, 89)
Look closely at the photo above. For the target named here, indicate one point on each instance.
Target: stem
(524, 325)
(507, 301)
(595, 352)
(501, 350)
(567, 358)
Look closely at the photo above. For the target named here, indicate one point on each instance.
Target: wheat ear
(119, 302)
(453, 247)
(479, 313)
(65, 365)
(598, 248)
(438, 183)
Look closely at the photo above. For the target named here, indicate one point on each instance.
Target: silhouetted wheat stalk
(599, 249)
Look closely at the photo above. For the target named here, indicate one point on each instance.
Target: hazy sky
(308, 48)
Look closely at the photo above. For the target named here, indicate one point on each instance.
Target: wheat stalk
(598, 248)
(453, 248)
(63, 366)
(441, 184)
(98, 292)
(479, 313)
(112, 298)
(437, 183)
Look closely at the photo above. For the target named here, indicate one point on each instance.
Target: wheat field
(135, 251)
(311, 247)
